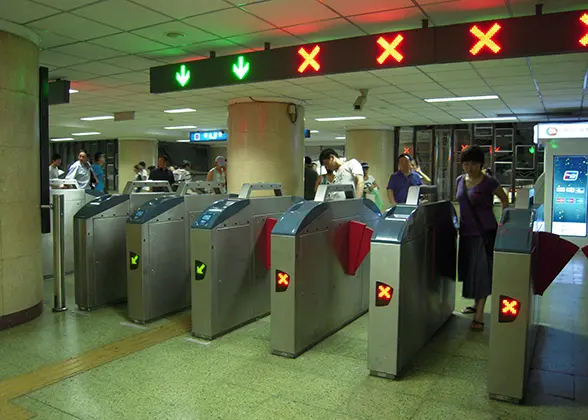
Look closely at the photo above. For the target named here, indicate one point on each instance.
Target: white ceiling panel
(65, 4)
(135, 77)
(24, 11)
(220, 46)
(305, 11)
(159, 33)
(71, 74)
(57, 59)
(129, 43)
(453, 76)
(121, 14)
(88, 51)
(100, 68)
(73, 26)
(276, 37)
(170, 55)
(354, 7)
(181, 9)
(51, 40)
(229, 22)
(390, 21)
(132, 62)
(326, 30)
(459, 11)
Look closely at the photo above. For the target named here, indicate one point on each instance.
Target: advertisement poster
(569, 195)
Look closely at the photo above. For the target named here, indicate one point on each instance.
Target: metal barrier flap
(247, 189)
(133, 185)
(324, 190)
(515, 233)
(154, 208)
(65, 182)
(185, 187)
(415, 192)
(525, 198)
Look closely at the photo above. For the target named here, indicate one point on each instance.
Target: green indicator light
(241, 68)
(532, 150)
(183, 76)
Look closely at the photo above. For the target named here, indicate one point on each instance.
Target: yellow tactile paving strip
(29, 382)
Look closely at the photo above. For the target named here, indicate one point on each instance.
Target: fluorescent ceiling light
(462, 98)
(340, 138)
(313, 131)
(339, 119)
(489, 119)
(182, 141)
(103, 117)
(89, 133)
(73, 91)
(179, 111)
(180, 127)
(62, 139)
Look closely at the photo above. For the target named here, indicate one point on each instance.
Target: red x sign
(407, 150)
(485, 39)
(283, 278)
(384, 292)
(510, 306)
(390, 49)
(464, 146)
(309, 59)
(584, 40)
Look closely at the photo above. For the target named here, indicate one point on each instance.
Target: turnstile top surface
(515, 233)
(298, 217)
(154, 208)
(392, 227)
(100, 205)
(218, 212)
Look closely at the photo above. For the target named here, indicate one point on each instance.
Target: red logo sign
(552, 131)
(485, 39)
(309, 59)
(571, 200)
(390, 49)
(584, 40)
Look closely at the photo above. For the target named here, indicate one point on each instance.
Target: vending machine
(566, 179)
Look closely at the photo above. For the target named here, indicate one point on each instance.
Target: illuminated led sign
(504, 38)
(199, 270)
(383, 294)
(309, 59)
(282, 281)
(485, 39)
(390, 49)
(212, 135)
(509, 309)
(133, 260)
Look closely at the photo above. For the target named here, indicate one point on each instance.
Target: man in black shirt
(161, 173)
(310, 177)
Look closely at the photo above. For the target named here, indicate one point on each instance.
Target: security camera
(361, 100)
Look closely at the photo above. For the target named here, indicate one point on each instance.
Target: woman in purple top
(477, 231)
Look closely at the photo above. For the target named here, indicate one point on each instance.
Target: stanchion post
(58, 253)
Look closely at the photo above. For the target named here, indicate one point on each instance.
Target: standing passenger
(183, 174)
(161, 173)
(81, 171)
(98, 170)
(349, 172)
(310, 178)
(219, 173)
(414, 164)
(477, 231)
(54, 166)
(402, 180)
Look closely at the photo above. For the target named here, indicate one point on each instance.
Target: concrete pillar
(21, 277)
(266, 144)
(376, 147)
(130, 152)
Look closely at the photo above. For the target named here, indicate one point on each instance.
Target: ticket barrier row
(99, 244)
(526, 260)
(157, 266)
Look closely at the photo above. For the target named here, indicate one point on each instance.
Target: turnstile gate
(158, 251)
(230, 260)
(526, 261)
(99, 244)
(319, 271)
(412, 281)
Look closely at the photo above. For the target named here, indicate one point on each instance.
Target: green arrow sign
(241, 68)
(134, 260)
(532, 149)
(200, 270)
(183, 76)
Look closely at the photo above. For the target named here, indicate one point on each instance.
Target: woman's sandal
(468, 310)
(477, 326)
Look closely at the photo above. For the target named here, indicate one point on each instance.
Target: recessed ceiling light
(180, 127)
(102, 117)
(179, 111)
(489, 119)
(73, 91)
(62, 139)
(183, 141)
(88, 133)
(175, 35)
(340, 138)
(339, 119)
(463, 98)
(313, 131)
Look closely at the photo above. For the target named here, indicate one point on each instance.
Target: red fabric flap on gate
(360, 237)
(265, 242)
(550, 256)
(585, 251)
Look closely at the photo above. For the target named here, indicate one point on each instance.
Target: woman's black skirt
(474, 267)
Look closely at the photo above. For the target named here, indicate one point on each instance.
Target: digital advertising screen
(570, 181)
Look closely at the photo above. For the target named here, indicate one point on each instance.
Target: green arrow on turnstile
(199, 270)
(134, 259)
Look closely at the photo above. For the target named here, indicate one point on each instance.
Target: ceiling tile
(192, 34)
(65, 4)
(24, 11)
(171, 55)
(459, 11)
(325, 31)
(121, 14)
(132, 62)
(281, 13)
(87, 50)
(220, 46)
(134, 77)
(71, 74)
(276, 37)
(354, 7)
(50, 40)
(98, 67)
(58, 59)
(129, 43)
(229, 22)
(107, 82)
(390, 21)
(181, 9)
(73, 26)
(461, 75)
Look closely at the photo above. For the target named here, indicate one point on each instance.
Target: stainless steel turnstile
(99, 244)
(230, 260)
(74, 199)
(412, 281)
(157, 243)
(320, 268)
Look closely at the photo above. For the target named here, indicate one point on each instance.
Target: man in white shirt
(349, 172)
(81, 171)
(54, 167)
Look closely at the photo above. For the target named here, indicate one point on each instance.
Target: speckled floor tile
(551, 383)
(42, 410)
(435, 410)
(282, 409)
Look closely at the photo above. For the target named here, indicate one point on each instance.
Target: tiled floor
(235, 377)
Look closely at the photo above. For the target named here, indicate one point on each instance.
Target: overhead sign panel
(210, 135)
(504, 38)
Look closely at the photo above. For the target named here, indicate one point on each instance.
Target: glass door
(443, 163)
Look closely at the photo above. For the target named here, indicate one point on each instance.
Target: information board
(570, 183)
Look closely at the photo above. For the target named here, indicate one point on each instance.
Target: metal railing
(58, 207)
